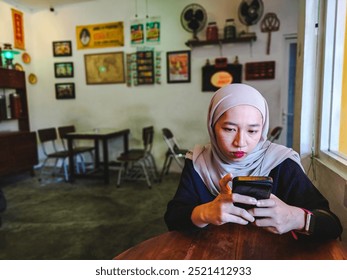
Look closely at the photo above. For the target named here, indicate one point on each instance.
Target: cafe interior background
(181, 106)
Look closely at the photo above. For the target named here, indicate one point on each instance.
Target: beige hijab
(212, 165)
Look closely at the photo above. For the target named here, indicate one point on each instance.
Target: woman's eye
(253, 131)
(229, 129)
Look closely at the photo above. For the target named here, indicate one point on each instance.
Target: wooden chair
(79, 150)
(174, 152)
(139, 164)
(48, 138)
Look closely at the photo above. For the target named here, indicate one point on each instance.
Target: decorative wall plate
(32, 79)
(26, 58)
(18, 67)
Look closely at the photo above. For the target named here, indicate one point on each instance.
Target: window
(333, 136)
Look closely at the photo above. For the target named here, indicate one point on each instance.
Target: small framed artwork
(63, 69)
(104, 68)
(62, 48)
(65, 91)
(216, 76)
(263, 70)
(178, 67)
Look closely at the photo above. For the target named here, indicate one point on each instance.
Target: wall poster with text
(153, 30)
(102, 35)
(18, 29)
(137, 32)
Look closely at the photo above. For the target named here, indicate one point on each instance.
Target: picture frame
(178, 67)
(63, 69)
(214, 77)
(104, 68)
(65, 91)
(62, 48)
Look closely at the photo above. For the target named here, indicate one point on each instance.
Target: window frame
(332, 42)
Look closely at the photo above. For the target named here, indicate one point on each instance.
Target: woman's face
(238, 131)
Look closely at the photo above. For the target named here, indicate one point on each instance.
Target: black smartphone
(258, 187)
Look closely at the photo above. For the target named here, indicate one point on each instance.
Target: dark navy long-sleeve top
(290, 184)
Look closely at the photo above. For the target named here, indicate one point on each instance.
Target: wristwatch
(309, 223)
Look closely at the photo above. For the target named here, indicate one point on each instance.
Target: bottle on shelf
(212, 31)
(16, 106)
(229, 29)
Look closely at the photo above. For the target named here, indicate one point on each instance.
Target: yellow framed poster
(102, 35)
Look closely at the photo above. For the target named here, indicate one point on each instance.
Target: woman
(238, 124)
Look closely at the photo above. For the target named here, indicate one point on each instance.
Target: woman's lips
(238, 154)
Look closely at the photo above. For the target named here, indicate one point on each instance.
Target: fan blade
(244, 9)
(255, 4)
(188, 15)
(253, 16)
(194, 24)
(199, 15)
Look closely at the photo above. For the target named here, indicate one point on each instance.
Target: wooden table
(233, 242)
(103, 135)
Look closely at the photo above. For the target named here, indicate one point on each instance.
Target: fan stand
(195, 36)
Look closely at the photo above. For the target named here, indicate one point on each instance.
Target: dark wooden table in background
(233, 242)
(103, 135)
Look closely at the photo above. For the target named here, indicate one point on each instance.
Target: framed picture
(65, 91)
(178, 67)
(214, 77)
(104, 68)
(63, 69)
(62, 48)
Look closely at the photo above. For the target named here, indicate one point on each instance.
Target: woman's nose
(239, 140)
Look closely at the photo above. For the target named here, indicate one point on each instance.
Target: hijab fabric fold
(212, 165)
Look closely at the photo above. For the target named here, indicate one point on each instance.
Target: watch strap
(309, 224)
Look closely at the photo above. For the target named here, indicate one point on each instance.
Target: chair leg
(154, 167)
(66, 170)
(82, 164)
(120, 174)
(168, 165)
(151, 166)
(42, 168)
(143, 165)
(164, 168)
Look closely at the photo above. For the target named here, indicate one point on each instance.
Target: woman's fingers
(223, 184)
(245, 199)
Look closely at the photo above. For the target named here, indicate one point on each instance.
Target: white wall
(181, 107)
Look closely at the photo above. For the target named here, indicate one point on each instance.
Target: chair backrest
(63, 130)
(147, 138)
(47, 135)
(170, 140)
(275, 133)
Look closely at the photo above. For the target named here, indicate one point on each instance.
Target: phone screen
(258, 187)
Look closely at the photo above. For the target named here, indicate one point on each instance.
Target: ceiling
(37, 5)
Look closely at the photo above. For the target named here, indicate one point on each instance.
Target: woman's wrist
(301, 219)
(198, 217)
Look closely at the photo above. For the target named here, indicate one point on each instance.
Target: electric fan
(250, 11)
(193, 19)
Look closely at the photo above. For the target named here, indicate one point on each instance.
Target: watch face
(312, 221)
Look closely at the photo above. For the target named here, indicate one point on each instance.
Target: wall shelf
(199, 43)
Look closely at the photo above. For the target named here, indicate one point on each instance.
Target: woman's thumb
(223, 184)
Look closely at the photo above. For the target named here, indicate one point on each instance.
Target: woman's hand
(222, 210)
(276, 216)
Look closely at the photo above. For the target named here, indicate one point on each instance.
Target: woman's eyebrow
(254, 125)
(232, 123)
